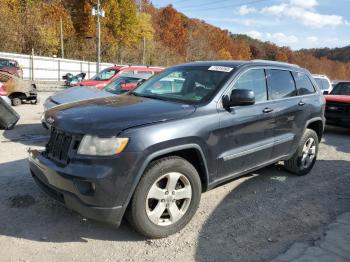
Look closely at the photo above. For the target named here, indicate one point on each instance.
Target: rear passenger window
(304, 84)
(281, 84)
(254, 80)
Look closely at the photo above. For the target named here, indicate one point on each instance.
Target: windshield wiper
(147, 96)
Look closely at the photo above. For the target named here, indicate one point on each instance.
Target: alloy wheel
(308, 153)
(168, 199)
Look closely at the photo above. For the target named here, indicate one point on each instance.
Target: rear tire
(16, 101)
(304, 158)
(166, 198)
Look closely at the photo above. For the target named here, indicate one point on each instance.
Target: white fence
(42, 68)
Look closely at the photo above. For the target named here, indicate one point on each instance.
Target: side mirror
(128, 87)
(325, 92)
(239, 97)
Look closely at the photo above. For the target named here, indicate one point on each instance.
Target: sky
(294, 23)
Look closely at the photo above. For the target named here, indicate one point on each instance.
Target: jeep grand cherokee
(152, 152)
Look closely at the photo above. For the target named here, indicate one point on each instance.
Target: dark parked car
(151, 153)
(11, 66)
(338, 105)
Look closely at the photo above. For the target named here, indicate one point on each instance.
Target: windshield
(322, 83)
(342, 89)
(189, 84)
(319, 83)
(123, 84)
(104, 75)
(4, 62)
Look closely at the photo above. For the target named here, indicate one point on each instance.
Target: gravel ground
(254, 218)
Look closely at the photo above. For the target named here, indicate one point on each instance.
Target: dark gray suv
(150, 153)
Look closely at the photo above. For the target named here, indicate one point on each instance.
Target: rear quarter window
(144, 72)
(281, 84)
(303, 83)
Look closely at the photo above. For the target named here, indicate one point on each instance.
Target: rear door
(245, 137)
(291, 111)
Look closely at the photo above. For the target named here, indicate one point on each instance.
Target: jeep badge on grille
(50, 120)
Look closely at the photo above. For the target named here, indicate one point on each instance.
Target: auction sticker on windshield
(221, 68)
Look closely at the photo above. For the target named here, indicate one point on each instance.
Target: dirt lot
(254, 218)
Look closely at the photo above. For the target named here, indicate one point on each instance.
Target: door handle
(301, 103)
(267, 110)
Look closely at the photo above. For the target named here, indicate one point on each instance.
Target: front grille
(59, 146)
(338, 108)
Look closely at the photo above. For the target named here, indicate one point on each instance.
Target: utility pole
(143, 39)
(98, 37)
(62, 44)
(98, 12)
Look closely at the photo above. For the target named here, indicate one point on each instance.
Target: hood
(111, 115)
(338, 99)
(74, 94)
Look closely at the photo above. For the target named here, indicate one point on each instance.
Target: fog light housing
(85, 187)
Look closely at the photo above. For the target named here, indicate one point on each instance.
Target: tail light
(2, 90)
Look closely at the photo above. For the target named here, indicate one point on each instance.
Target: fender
(316, 119)
(159, 153)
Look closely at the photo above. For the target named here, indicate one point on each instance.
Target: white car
(324, 83)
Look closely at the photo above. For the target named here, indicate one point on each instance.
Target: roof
(136, 67)
(319, 76)
(236, 63)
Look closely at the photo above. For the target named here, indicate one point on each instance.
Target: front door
(246, 132)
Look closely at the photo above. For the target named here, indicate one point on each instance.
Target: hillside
(140, 34)
(339, 54)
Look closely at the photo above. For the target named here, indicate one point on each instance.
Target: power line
(206, 3)
(176, 2)
(223, 7)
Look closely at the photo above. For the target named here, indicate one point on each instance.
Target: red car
(338, 105)
(108, 75)
(11, 66)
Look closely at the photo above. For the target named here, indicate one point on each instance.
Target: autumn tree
(170, 30)
(10, 20)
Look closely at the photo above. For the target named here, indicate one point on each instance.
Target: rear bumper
(65, 189)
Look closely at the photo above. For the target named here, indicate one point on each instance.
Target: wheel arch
(317, 125)
(17, 94)
(197, 160)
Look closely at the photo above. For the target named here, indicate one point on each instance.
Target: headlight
(46, 103)
(99, 146)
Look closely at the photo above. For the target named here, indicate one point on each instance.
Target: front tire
(304, 158)
(16, 101)
(166, 198)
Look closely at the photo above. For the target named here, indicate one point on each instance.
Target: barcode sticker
(220, 68)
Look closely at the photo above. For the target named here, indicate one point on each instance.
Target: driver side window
(254, 80)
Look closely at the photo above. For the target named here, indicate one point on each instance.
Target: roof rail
(274, 62)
